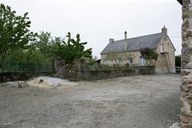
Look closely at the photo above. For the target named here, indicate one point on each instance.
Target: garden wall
(83, 74)
(106, 74)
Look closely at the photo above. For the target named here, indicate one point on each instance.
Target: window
(130, 60)
(162, 48)
(141, 61)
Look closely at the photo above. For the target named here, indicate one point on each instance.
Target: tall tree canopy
(43, 42)
(14, 30)
(71, 49)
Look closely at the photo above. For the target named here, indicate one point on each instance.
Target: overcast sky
(98, 20)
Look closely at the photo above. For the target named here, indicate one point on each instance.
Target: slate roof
(133, 44)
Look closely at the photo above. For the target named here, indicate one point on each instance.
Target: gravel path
(127, 102)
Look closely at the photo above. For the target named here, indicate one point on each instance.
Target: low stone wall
(76, 75)
(106, 74)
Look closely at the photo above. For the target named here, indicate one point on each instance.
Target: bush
(178, 61)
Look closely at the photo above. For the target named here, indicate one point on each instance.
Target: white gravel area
(127, 102)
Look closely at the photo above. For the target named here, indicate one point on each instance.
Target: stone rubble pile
(48, 82)
(42, 82)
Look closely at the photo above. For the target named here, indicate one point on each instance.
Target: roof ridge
(138, 37)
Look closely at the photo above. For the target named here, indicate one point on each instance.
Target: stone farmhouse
(127, 51)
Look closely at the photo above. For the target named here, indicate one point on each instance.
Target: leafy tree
(35, 58)
(58, 48)
(114, 58)
(30, 60)
(178, 61)
(71, 49)
(149, 55)
(14, 30)
(43, 43)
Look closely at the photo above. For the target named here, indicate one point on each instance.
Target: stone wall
(106, 74)
(82, 74)
(186, 65)
(111, 59)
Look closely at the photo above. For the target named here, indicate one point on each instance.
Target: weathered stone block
(185, 72)
(186, 118)
(186, 59)
(183, 125)
(186, 80)
(185, 107)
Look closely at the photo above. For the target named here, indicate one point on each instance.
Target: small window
(141, 61)
(130, 60)
(162, 48)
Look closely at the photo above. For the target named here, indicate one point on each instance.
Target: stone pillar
(186, 61)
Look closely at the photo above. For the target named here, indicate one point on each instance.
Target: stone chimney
(164, 30)
(125, 34)
(111, 40)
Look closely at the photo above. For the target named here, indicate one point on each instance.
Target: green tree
(114, 58)
(149, 55)
(178, 61)
(43, 42)
(14, 30)
(71, 49)
(36, 58)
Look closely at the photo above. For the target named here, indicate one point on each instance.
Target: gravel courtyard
(126, 102)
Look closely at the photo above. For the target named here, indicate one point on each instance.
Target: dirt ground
(126, 102)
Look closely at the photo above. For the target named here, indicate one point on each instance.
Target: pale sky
(98, 20)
